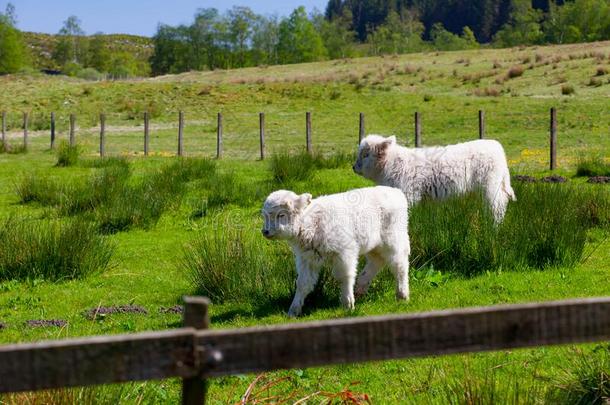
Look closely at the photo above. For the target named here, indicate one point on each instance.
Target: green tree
(72, 44)
(578, 21)
(99, 56)
(399, 34)
(339, 39)
(524, 26)
(265, 39)
(298, 39)
(13, 54)
(448, 41)
(241, 24)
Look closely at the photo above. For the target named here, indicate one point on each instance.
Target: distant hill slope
(42, 46)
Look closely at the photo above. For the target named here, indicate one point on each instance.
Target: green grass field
(148, 268)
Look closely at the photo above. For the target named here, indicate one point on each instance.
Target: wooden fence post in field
(261, 121)
(195, 316)
(102, 135)
(361, 129)
(219, 136)
(308, 131)
(553, 140)
(72, 130)
(417, 130)
(4, 145)
(180, 132)
(25, 130)
(146, 132)
(52, 130)
(481, 124)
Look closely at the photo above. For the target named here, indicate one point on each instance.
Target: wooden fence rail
(417, 118)
(194, 353)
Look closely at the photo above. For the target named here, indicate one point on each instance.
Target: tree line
(351, 28)
(348, 28)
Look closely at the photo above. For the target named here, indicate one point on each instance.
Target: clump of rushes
(51, 250)
(592, 166)
(67, 155)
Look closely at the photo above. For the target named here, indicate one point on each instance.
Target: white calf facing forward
(339, 228)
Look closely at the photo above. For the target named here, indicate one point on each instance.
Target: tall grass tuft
(586, 380)
(593, 165)
(546, 226)
(51, 250)
(239, 265)
(453, 235)
(113, 198)
(13, 149)
(286, 167)
(142, 203)
(67, 155)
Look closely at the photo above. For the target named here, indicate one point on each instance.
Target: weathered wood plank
(97, 360)
(195, 316)
(400, 336)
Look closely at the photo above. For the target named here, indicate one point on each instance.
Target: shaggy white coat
(339, 228)
(438, 172)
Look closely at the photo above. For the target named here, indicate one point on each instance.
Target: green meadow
(94, 233)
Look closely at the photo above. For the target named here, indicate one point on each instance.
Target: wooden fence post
(52, 130)
(553, 140)
(4, 144)
(481, 124)
(417, 130)
(146, 132)
(195, 316)
(308, 131)
(25, 130)
(361, 129)
(102, 135)
(72, 129)
(219, 136)
(261, 120)
(180, 132)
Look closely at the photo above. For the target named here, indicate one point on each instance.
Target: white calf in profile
(340, 227)
(438, 172)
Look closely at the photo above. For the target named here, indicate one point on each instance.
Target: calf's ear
(390, 140)
(383, 145)
(302, 201)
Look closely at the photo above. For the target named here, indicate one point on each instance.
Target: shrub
(595, 82)
(601, 71)
(567, 89)
(239, 265)
(90, 74)
(515, 71)
(51, 250)
(67, 155)
(593, 165)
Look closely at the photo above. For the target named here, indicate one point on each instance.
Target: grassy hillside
(41, 47)
(516, 88)
(151, 211)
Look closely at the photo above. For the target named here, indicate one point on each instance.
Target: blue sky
(133, 17)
